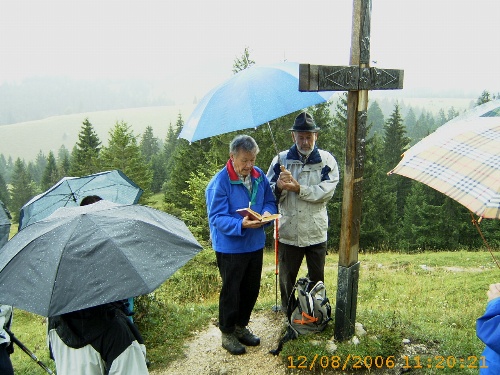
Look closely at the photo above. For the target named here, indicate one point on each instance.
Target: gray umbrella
(85, 256)
(4, 224)
(112, 186)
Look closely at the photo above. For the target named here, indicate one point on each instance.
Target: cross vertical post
(356, 79)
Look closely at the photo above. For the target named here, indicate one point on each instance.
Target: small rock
(359, 330)
(354, 340)
(331, 347)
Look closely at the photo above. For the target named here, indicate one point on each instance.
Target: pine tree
(485, 97)
(378, 212)
(149, 144)
(63, 162)
(171, 145)
(4, 191)
(410, 123)
(395, 139)
(23, 188)
(375, 119)
(150, 151)
(395, 144)
(243, 62)
(159, 161)
(419, 227)
(5, 171)
(452, 113)
(335, 139)
(36, 169)
(124, 154)
(441, 118)
(50, 174)
(84, 158)
(186, 159)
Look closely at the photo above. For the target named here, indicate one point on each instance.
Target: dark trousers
(5, 363)
(240, 275)
(290, 260)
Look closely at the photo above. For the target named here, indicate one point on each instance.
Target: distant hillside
(26, 139)
(430, 104)
(41, 97)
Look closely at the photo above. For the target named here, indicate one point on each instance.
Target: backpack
(308, 310)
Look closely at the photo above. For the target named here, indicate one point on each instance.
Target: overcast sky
(441, 44)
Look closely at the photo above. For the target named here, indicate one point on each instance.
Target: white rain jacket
(96, 341)
(305, 218)
(5, 321)
(88, 361)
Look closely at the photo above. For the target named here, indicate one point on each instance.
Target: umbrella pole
(276, 308)
(27, 351)
(274, 141)
(476, 224)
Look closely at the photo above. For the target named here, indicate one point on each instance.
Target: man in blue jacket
(488, 331)
(238, 241)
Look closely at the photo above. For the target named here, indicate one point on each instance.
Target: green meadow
(431, 300)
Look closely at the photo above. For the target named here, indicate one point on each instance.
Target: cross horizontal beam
(348, 78)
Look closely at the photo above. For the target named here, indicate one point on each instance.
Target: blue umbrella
(113, 186)
(248, 99)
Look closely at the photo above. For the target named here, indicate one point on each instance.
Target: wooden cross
(356, 79)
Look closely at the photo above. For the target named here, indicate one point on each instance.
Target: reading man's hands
(249, 223)
(287, 182)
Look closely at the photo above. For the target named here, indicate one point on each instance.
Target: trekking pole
(276, 308)
(27, 351)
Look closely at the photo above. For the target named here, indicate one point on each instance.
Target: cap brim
(304, 130)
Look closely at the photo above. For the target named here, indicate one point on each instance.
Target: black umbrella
(85, 256)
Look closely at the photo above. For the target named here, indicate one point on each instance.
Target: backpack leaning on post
(308, 311)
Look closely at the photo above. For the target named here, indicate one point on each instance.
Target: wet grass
(430, 299)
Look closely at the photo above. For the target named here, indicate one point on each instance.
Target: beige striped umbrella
(462, 160)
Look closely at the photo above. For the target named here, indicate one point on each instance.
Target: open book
(256, 216)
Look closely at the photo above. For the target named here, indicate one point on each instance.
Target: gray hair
(243, 143)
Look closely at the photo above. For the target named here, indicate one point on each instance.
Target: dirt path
(204, 354)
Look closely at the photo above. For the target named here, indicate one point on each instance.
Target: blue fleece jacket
(488, 331)
(225, 194)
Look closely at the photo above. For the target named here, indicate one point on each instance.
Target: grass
(431, 299)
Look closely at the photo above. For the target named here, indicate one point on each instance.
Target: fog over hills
(27, 139)
(42, 114)
(41, 97)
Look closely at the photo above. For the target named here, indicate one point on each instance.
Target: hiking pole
(27, 351)
(276, 308)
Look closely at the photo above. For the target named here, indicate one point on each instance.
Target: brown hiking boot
(231, 344)
(246, 337)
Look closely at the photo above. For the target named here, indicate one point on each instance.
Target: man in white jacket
(303, 179)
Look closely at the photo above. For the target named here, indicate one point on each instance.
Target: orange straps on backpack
(309, 319)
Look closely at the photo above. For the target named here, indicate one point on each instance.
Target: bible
(247, 211)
